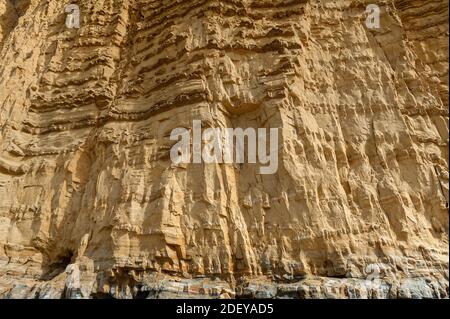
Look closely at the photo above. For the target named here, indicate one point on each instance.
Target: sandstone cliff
(86, 180)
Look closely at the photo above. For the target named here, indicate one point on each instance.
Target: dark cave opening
(58, 266)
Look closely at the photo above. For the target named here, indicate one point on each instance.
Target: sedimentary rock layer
(85, 174)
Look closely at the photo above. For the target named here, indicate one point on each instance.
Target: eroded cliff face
(85, 174)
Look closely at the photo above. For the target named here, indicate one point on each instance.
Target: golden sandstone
(92, 206)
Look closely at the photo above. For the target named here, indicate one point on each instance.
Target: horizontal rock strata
(86, 180)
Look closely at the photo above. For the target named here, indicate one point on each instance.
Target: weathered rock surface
(86, 182)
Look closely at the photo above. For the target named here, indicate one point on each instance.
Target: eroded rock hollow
(91, 205)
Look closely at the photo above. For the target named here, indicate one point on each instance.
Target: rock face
(91, 205)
